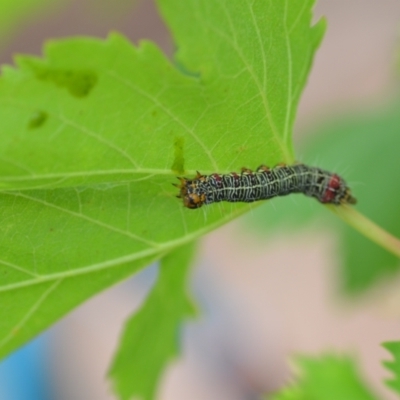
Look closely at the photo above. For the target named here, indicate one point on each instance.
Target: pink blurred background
(264, 301)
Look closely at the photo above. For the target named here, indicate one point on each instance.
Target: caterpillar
(265, 183)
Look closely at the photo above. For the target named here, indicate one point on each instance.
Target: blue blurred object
(24, 375)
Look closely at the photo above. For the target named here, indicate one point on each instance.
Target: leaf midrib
(159, 251)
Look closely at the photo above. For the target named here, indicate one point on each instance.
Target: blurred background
(264, 300)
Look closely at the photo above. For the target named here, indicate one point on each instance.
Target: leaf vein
(169, 113)
(30, 313)
(84, 217)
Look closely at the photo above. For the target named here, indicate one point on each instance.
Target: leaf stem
(368, 228)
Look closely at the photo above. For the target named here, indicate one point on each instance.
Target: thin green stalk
(368, 228)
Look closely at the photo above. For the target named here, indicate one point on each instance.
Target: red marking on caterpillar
(264, 184)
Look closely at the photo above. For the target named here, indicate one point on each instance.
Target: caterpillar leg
(246, 170)
(263, 168)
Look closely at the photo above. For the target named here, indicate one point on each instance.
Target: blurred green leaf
(328, 378)
(152, 336)
(362, 148)
(12, 12)
(393, 366)
(93, 134)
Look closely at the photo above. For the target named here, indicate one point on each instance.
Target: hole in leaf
(79, 83)
(179, 161)
(37, 119)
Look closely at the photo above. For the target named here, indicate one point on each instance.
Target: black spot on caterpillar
(265, 183)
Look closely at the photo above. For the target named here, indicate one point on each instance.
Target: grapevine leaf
(328, 378)
(255, 56)
(151, 336)
(94, 133)
(393, 366)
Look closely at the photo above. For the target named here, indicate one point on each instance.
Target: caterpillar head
(192, 191)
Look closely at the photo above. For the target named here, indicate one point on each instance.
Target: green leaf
(363, 148)
(94, 133)
(393, 366)
(253, 59)
(152, 336)
(329, 378)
